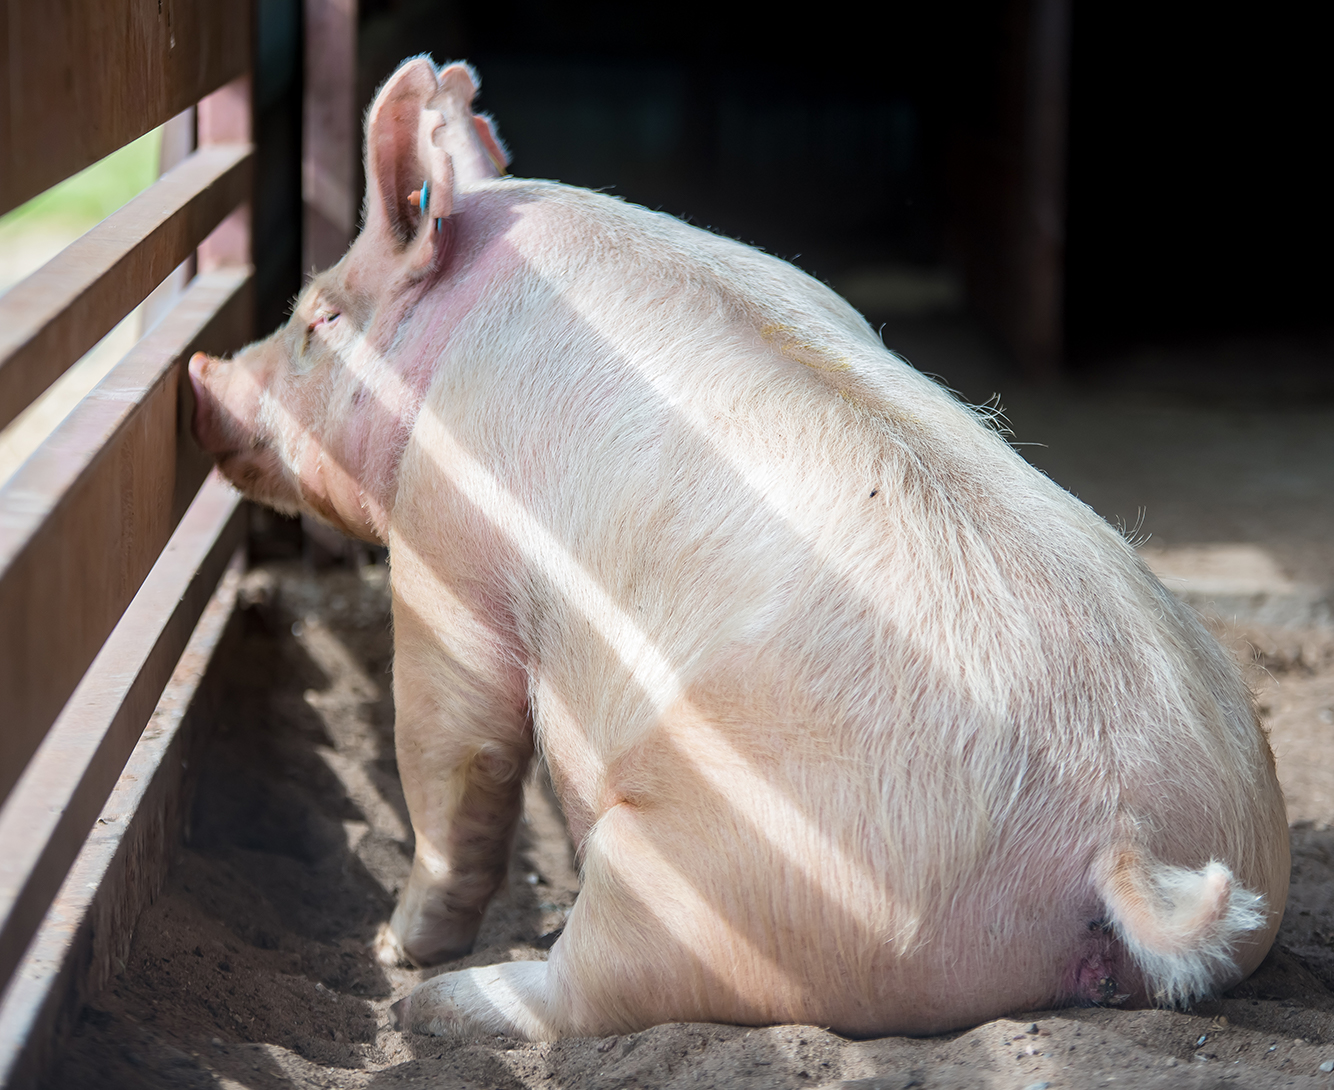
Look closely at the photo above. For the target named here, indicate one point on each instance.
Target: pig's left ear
(411, 183)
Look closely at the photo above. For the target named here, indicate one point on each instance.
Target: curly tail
(1181, 927)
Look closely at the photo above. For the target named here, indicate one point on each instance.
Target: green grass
(90, 196)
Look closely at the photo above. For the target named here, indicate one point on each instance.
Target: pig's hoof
(430, 1009)
(388, 950)
(507, 1000)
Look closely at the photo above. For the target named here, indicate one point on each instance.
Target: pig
(856, 719)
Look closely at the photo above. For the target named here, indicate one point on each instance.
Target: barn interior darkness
(883, 150)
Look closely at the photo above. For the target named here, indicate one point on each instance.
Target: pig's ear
(495, 149)
(411, 185)
(474, 149)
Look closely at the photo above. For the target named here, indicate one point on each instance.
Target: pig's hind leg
(620, 964)
(509, 1000)
(536, 1000)
(464, 744)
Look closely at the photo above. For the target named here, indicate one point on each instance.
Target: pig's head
(316, 417)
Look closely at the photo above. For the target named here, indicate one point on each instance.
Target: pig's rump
(857, 719)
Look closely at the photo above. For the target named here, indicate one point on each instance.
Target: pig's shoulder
(651, 284)
(593, 224)
(611, 249)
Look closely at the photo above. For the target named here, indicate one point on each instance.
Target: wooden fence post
(331, 135)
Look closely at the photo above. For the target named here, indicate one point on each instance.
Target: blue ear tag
(438, 224)
(426, 189)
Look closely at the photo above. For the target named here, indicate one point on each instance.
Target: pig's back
(711, 430)
(787, 594)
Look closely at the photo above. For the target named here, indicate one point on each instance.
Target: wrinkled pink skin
(342, 453)
(782, 813)
(340, 465)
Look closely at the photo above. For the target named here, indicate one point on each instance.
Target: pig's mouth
(226, 459)
(257, 474)
(233, 465)
(234, 462)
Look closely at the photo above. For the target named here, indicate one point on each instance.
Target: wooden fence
(114, 535)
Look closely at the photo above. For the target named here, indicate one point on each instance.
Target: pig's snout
(198, 362)
(204, 421)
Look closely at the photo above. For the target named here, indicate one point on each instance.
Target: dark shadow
(261, 934)
(1307, 932)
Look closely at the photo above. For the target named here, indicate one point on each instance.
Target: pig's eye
(324, 318)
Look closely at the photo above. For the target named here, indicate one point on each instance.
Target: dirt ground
(253, 968)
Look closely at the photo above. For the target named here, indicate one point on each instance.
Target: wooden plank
(1040, 230)
(84, 77)
(178, 143)
(227, 117)
(53, 805)
(1007, 183)
(123, 864)
(84, 519)
(331, 132)
(54, 316)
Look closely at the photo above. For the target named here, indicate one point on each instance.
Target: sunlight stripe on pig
(640, 656)
(657, 678)
(647, 666)
(445, 599)
(650, 670)
(703, 404)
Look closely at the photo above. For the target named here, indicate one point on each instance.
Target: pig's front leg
(463, 743)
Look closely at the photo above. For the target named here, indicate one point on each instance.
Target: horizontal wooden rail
(46, 817)
(59, 312)
(84, 519)
(84, 77)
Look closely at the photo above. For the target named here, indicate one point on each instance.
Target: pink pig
(857, 719)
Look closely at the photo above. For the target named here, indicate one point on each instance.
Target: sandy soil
(253, 969)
